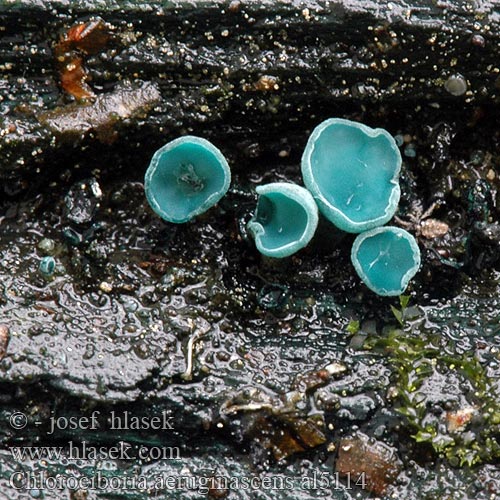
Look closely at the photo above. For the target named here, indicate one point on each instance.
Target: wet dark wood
(257, 75)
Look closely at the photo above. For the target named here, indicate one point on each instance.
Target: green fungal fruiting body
(386, 258)
(185, 178)
(352, 171)
(285, 219)
(47, 266)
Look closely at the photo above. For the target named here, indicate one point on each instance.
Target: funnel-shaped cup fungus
(47, 266)
(352, 171)
(386, 258)
(285, 219)
(185, 178)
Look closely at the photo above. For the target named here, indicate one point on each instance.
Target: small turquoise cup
(285, 219)
(185, 178)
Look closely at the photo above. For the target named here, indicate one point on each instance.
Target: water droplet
(456, 85)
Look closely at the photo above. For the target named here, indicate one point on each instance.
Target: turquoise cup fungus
(386, 259)
(185, 178)
(47, 266)
(352, 171)
(285, 219)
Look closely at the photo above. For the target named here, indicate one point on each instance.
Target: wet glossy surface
(271, 345)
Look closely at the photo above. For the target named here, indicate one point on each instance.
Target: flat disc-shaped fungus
(352, 171)
(386, 259)
(285, 219)
(185, 178)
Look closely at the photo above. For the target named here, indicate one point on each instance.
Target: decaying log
(257, 75)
